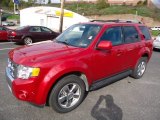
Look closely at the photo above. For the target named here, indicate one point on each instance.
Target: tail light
(13, 33)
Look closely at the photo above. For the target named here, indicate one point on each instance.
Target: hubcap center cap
(70, 96)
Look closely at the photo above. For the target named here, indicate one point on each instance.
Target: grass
(92, 9)
(155, 32)
(15, 17)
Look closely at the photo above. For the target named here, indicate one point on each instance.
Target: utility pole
(14, 6)
(61, 16)
(1, 16)
(148, 3)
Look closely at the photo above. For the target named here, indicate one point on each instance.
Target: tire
(27, 40)
(140, 68)
(67, 94)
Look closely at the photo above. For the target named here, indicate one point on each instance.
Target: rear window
(130, 34)
(21, 28)
(145, 32)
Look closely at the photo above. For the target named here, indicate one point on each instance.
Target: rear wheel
(28, 41)
(140, 68)
(67, 94)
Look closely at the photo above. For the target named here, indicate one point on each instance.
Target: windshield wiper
(64, 42)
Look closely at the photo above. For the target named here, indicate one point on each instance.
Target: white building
(49, 17)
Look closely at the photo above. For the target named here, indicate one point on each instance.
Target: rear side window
(113, 34)
(145, 32)
(130, 34)
(35, 29)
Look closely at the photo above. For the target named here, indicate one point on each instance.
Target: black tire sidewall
(53, 99)
(135, 71)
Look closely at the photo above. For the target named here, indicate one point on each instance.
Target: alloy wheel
(69, 95)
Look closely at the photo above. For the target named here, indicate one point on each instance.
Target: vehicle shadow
(156, 50)
(108, 112)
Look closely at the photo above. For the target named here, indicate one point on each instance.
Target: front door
(47, 34)
(108, 63)
(133, 44)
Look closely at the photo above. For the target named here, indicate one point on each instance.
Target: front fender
(57, 72)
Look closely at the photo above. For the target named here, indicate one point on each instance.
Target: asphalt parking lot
(128, 99)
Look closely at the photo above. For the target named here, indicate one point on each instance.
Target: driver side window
(113, 34)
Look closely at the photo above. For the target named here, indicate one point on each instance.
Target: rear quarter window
(145, 32)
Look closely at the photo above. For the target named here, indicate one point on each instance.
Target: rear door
(133, 45)
(35, 33)
(3, 33)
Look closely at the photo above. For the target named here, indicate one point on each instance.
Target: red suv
(85, 57)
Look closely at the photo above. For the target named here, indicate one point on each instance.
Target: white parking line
(6, 48)
(6, 43)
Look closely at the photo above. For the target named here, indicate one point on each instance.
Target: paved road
(127, 99)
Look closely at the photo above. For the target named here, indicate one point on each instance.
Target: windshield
(79, 35)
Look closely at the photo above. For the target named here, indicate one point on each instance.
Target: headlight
(26, 72)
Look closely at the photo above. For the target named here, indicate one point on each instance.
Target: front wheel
(140, 68)
(67, 94)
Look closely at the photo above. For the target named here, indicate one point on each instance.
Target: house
(49, 17)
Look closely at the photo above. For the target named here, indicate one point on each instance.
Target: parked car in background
(8, 23)
(4, 33)
(30, 34)
(156, 42)
(4, 18)
(155, 28)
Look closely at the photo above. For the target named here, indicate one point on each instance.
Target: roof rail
(118, 21)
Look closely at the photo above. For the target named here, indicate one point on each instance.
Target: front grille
(12, 69)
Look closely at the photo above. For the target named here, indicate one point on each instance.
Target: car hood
(40, 53)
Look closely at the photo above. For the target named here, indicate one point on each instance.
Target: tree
(10, 5)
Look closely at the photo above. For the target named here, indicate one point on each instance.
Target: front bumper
(23, 89)
(9, 79)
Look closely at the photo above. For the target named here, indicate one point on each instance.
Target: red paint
(4, 33)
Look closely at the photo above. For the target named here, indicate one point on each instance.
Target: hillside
(104, 9)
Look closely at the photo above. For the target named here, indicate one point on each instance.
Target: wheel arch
(77, 73)
(146, 55)
(27, 36)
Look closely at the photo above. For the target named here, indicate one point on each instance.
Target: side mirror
(104, 45)
(143, 37)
